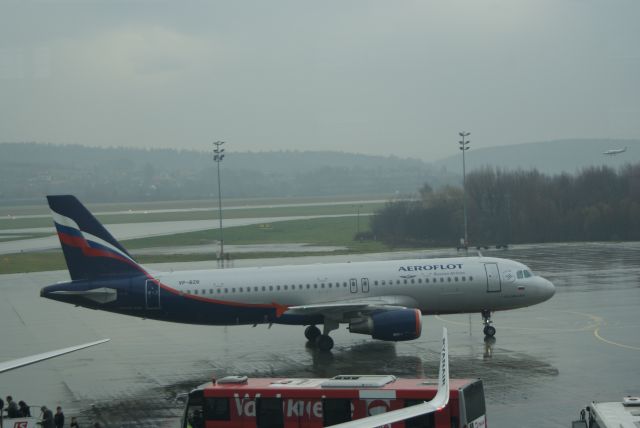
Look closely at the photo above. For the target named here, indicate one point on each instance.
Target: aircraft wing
(439, 401)
(364, 305)
(14, 364)
(385, 419)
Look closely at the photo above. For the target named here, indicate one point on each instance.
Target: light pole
(358, 221)
(218, 155)
(464, 146)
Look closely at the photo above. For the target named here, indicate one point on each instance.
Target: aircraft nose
(547, 289)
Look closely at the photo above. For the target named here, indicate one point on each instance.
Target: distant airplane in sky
(613, 152)
(385, 300)
(20, 362)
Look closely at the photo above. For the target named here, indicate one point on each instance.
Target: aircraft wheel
(324, 342)
(489, 331)
(311, 333)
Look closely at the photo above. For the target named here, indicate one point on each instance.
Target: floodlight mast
(464, 146)
(218, 155)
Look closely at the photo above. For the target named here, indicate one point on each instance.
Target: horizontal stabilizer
(98, 295)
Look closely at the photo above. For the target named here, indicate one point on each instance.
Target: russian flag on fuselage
(89, 249)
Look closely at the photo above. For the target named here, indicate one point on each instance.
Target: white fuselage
(449, 285)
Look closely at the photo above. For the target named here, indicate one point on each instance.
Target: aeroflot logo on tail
(430, 267)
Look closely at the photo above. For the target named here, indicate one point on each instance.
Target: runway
(546, 363)
(126, 231)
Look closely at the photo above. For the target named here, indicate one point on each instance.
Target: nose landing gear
(488, 330)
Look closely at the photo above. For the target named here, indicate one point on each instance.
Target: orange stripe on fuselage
(280, 309)
(79, 242)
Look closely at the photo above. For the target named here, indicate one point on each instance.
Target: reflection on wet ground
(545, 363)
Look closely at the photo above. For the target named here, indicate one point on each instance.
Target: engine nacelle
(395, 325)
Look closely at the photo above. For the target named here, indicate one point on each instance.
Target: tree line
(596, 204)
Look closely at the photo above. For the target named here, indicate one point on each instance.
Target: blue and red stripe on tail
(89, 249)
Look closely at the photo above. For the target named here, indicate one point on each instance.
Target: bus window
(216, 409)
(269, 413)
(193, 413)
(425, 421)
(472, 406)
(336, 411)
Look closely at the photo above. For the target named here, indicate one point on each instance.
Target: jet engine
(393, 325)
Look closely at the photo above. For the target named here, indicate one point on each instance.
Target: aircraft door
(365, 285)
(353, 283)
(493, 277)
(152, 294)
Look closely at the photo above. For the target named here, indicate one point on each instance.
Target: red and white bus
(351, 400)
(287, 403)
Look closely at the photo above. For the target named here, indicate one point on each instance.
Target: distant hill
(551, 157)
(29, 171)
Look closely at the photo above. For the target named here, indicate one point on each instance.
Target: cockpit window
(524, 274)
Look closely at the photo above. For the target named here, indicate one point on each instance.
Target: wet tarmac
(546, 363)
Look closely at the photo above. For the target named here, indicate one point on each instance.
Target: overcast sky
(377, 77)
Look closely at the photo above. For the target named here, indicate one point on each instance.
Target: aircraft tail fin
(89, 249)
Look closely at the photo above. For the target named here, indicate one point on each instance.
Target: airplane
(384, 299)
(5, 366)
(614, 152)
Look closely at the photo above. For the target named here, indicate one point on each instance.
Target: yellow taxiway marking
(596, 333)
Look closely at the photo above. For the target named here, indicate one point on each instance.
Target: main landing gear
(489, 330)
(323, 341)
(311, 333)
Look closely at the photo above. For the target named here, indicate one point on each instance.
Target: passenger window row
(336, 285)
(426, 280)
(264, 288)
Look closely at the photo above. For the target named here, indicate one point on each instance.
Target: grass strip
(338, 231)
(323, 231)
(32, 262)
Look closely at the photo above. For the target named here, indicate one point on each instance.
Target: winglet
(437, 403)
(442, 396)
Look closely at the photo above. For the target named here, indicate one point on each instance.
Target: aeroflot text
(431, 267)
